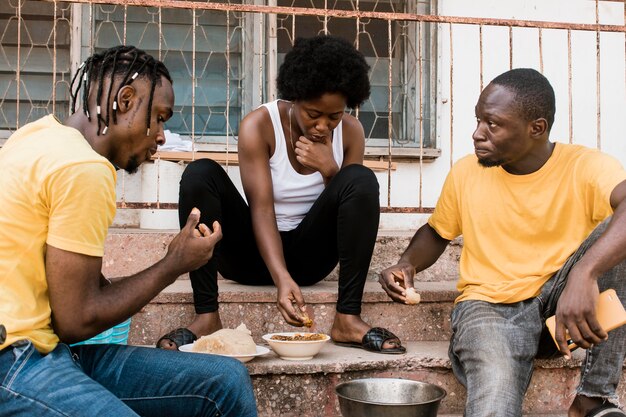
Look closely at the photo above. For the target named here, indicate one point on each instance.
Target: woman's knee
(201, 176)
(200, 170)
(358, 177)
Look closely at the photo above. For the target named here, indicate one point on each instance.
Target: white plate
(260, 350)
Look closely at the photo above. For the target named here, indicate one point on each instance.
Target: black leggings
(340, 227)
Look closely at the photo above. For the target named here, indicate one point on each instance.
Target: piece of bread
(412, 296)
(227, 342)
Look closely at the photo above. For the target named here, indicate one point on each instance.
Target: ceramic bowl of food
(296, 346)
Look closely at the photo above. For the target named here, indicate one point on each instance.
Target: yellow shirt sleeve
(599, 174)
(446, 219)
(82, 206)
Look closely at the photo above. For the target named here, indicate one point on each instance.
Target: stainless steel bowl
(388, 397)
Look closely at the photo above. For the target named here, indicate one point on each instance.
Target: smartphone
(609, 311)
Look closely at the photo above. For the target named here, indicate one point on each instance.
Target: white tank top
(294, 193)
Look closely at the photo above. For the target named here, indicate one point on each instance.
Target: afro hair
(324, 64)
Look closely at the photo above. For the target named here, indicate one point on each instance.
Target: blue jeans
(493, 346)
(120, 380)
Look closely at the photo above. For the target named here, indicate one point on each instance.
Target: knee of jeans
(236, 376)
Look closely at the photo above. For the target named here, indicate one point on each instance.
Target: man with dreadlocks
(544, 231)
(57, 203)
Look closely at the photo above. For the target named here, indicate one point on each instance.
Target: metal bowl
(388, 397)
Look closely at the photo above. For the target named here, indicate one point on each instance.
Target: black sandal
(606, 410)
(179, 337)
(374, 340)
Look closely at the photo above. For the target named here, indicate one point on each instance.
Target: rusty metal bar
(155, 205)
(357, 21)
(146, 205)
(17, 65)
(415, 210)
(158, 181)
(598, 104)
(325, 17)
(293, 29)
(160, 33)
(91, 25)
(303, 11)
(125, 21)
(389, 113)
(54, 58)
(540, 35)
(421, 110)
(569, 85)
(193, 82)
(480, 57)
(510, 48)
(451, 97)
(227, 88)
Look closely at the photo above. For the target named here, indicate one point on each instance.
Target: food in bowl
(296, 346)
(227, 342)
(299, 337)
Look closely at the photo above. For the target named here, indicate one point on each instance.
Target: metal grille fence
(224, 57)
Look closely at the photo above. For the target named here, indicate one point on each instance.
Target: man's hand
(317, 155)
(576, 312)
(193, 247)
(291, 303)
(396, 279)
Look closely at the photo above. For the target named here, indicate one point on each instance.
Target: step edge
(180, 292)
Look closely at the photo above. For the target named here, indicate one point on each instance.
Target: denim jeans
(120, 380)
(493, 346)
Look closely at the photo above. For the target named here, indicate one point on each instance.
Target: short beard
(488, 163)
(132, 165)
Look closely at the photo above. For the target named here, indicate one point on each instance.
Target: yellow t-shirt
(56, 190)
(518, 230)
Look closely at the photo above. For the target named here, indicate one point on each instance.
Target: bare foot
(351, 328)
(206, 323)
(582, 405)
(202, 324)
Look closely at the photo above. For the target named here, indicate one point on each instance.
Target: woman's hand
(317, 155)
(290, 303)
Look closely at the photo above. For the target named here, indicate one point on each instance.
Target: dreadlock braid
(124, 62)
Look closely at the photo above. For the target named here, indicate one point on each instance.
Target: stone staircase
(306, 389)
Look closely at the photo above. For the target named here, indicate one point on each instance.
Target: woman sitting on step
(310, 202)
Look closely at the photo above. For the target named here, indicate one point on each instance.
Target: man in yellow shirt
(57, 202)
(544, 230)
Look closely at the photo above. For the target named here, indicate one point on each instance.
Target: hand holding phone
(609, 312)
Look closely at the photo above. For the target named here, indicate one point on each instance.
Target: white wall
(454, 139)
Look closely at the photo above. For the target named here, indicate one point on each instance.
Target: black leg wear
(340, 227)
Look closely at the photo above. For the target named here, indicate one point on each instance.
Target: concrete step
(128, 251)
(285, 388)
(256, 307)
(306, 389)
